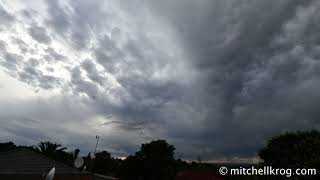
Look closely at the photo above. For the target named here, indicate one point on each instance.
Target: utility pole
(94, 154)
(95, 149)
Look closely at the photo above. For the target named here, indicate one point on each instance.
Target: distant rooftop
(29, 162)
(26, 164)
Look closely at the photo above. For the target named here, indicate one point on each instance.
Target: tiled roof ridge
(42, 158)
(57, 162)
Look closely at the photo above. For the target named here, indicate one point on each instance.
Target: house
(29, 165)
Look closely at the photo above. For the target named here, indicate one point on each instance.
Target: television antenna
(94, 154)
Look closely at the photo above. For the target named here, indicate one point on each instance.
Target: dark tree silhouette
(158, 150)
(7, 146)
(155, 161)
(56, 152)
(49, 148)
(76, 153)
(104, 163)
(293, 149)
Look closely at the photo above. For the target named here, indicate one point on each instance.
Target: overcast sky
(216, 78)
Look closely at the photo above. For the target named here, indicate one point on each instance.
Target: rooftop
(30, 162)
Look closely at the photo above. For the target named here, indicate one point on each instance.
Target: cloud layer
(215, 78)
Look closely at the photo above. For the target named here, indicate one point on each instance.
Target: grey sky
(214, 78)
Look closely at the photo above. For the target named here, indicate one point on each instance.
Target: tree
(7, 146)
(154, 160)
(76, 153)
(55, 151)
(131, 169)
(293, 149)
(158, 150)
(104, 163)
(49, 148)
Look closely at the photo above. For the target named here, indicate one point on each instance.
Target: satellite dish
(78, 162)
(50, 174)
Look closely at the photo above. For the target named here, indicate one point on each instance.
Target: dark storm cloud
(246, 92)
(53, 55)
(251, 82)
(40, 34)
(6, 18)
(30, 121)
(3, 46)
(11, 61)
(83, 23)
(249, 70)
(80, 85)
(37, 78)
(59, 18)
(33, 62)
(23, 46)
(76, 24)
(27, 70)
(143, 97)
(92, 72)
(107, 54)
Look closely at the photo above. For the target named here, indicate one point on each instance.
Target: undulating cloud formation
(215, 78)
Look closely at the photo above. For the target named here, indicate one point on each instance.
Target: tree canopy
(293, 149)
(154, 160)
(49, 148)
